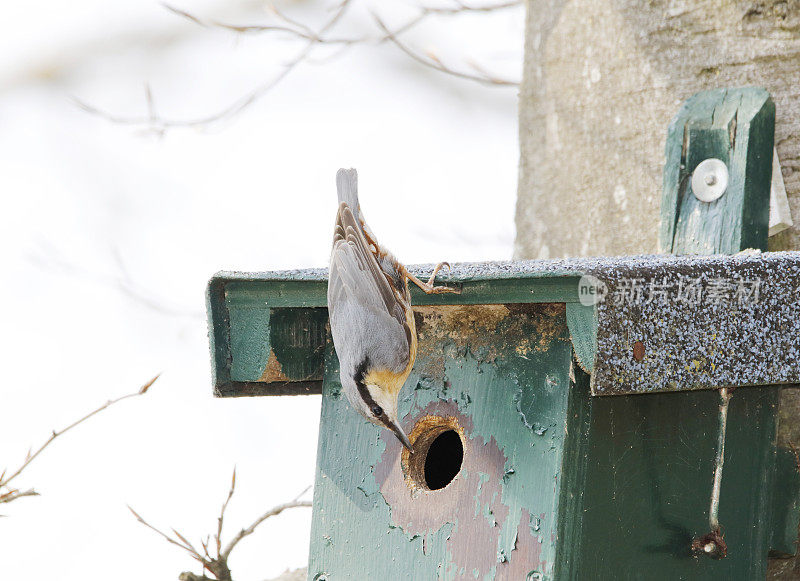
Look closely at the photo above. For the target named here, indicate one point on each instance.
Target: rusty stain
(474, 539)
(712, 545)
(485, 330)
(273, 370)
(638, 350)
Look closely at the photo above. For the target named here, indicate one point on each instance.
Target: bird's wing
(366, 316)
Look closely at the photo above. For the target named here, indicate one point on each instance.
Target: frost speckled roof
(666, 322)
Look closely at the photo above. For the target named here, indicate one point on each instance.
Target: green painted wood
(499, 518)
(736, 126)
(218, 336)
(649, 459)
(294, 339)
(575, 483)
(300, 293)
(249, 332)
(297, 340)
(785, 504)
(742, 338)
(648, 483)
(582, 323)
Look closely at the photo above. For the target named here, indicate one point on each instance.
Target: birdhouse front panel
(486, 408)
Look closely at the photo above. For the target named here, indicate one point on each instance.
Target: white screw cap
(710, 180)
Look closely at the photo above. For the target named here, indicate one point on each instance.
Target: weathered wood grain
(500, 372)
(737, 127)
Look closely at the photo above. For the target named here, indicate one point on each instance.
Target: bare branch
(187, 544)
(461, 7)
(306, 489)
(311, 39)
(218, 565)
(300, 30)
(14, 494)
(6, 480)
(270, 513)
(161, 124)
(295, 28)
(433, 62)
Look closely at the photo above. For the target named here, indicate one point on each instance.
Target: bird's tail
(347, 186)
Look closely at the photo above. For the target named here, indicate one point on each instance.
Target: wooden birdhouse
(566, 414)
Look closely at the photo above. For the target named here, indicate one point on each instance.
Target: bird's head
(374, 395)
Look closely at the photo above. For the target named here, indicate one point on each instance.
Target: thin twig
(168, 538)
(222, 512)
(270, 513)
(5, 480)
(436, 64)
(14, 494)
(295, 29)
(292, 28)
(306, 489)
(237, 106)
(218, 565)
(302, 31)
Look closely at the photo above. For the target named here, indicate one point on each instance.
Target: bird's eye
(377, 410)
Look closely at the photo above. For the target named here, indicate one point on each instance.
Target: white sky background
(101, 219)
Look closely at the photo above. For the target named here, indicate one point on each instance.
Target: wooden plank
(501, 373)
(780, 213)
(218, 336)
(736, 126)
(276, 329)
(272, 294)
(745, 336)
(648, 477)
(582, 323)
(785, 504)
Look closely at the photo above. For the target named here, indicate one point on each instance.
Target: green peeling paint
(515, 457)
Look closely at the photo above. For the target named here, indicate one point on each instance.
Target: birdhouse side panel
(649, 466)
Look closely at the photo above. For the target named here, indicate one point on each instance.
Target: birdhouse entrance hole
(438, 453)
(443, 461)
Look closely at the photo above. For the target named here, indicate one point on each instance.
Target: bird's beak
(401, 435)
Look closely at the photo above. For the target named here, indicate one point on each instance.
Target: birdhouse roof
(638, 324)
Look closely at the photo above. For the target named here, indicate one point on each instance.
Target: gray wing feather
(347, 190)
(366, 319)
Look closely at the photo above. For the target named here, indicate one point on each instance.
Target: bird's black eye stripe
(358, 376)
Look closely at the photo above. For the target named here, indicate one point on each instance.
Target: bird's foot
(428, 287)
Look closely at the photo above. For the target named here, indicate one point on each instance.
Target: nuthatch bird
(369, 308)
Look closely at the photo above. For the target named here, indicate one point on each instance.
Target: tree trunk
(602, 80)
